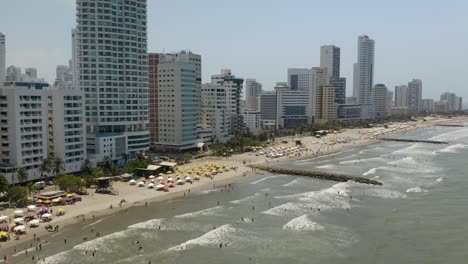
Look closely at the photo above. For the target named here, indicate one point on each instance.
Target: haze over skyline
(262, 39)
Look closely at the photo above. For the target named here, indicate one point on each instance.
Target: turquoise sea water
(418, 216)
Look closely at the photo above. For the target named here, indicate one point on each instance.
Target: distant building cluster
(115, 99)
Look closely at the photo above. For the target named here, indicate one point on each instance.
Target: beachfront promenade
(316, 174)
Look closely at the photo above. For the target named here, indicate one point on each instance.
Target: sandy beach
(95, 206)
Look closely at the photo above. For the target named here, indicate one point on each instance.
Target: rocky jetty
(449, 125)
(413, 140)
(315, 174)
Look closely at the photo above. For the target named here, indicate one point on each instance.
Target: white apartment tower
(253, 89)
(233, 86)
(364, 76)
(330, 59)
(30, 74)
(215, 115)
(2, 58)
(401, 96)
(111, 48)
(380, 101)
(415, 95)
(178, 105)
(299, 79)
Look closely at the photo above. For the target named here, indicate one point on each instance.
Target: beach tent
(19, 228)
(140, 184)
(47, 215)
(34, 222)
(31, 207)
(3, 218)
(151, 185)
(160, 186)
(18, 220)
(132, 182)
(18, 212)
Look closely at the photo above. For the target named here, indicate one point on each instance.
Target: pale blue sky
(262, 38)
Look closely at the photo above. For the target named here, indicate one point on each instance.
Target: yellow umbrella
(161, 174)
(3, 233)
(169, 172)
(69, 195)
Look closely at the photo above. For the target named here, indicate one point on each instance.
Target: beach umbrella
(18, 212)
(188, 179)
(3, 217)
(60, 209)
(151, 177)
(161, 174)
(160, 186)
(160, 178)
(140, 184)
(18, 220)
(31, 207)
(47, 201)
(169, 172)
(34, 222)
(47, 215)
(69, 195)
(19, 228)
(56, 200)
(170, 179)
(180, 182)
(132, 182)
(3, 233)
(151, 185)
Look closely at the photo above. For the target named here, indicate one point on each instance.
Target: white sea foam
(377, 159)
(452, 135)
(59, 258)
(264, 179)
(105, 243)
(417, 148)
(405, 161)
(371, 171)
(441, 179)
(302, 223)
(384, 193)
(453, 148)
(292, 183)
(213, 211)
(247, 199)
(328, 166)
(150, 224)
(416, 190)
(222, 234)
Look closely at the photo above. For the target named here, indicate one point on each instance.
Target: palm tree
(22, 174)
(45, 167)
(107, 165)
(86, 167)
(31, 188)
(4, 185)
(57, 165)
(141, 156)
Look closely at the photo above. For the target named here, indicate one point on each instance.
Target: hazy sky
(260, 39)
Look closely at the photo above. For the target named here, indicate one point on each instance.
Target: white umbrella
(151, 177)
(180, 182)
(160, 186)
(18, 212)
(141, 184)
(188, 179)
(160, 178)
(170, 179)
(46, 215)
(132, 181)
(31, 207)
(18, 220)
(19, 228)
(3, 217)
(56, 200)
(34, 222)
(151, 185)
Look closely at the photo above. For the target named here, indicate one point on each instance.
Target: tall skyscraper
(111, 45)
(401, 96)
(268, 107)
(215, 115)
(153, 125)
(364, 76)
(414, 95)
(330, 59)
(2, 58)
(380, 100)
(451, 99)
(299, 79)
(233, 86)
(253, 89)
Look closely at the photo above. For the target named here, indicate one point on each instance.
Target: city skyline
(400, 54)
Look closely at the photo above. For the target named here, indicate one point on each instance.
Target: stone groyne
(413, 140)
(449, 125)
(315, 174)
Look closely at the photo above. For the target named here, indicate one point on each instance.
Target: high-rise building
(299, 79)
(30, 74)
(74, 60)
(330, 59)
(293, 107)
(253, 89)
(64, 76)
(268, 107)
(380, 100)
(111, 48)
(252, 120)
(458, 103)
(2, 58)
(451, 99)
(441, 106)
(427, 105)
(401, 96)
(153, 125)
(215, 114)
(389, 102)
(364, 76)
(13, 74)
(415, 95)
(178, 105)
(319, 81)
(233, 86)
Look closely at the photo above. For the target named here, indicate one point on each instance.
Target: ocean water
(418, 216)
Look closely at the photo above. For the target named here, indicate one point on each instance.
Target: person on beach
(65, 240)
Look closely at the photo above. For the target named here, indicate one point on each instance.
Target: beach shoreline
(98, 205)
